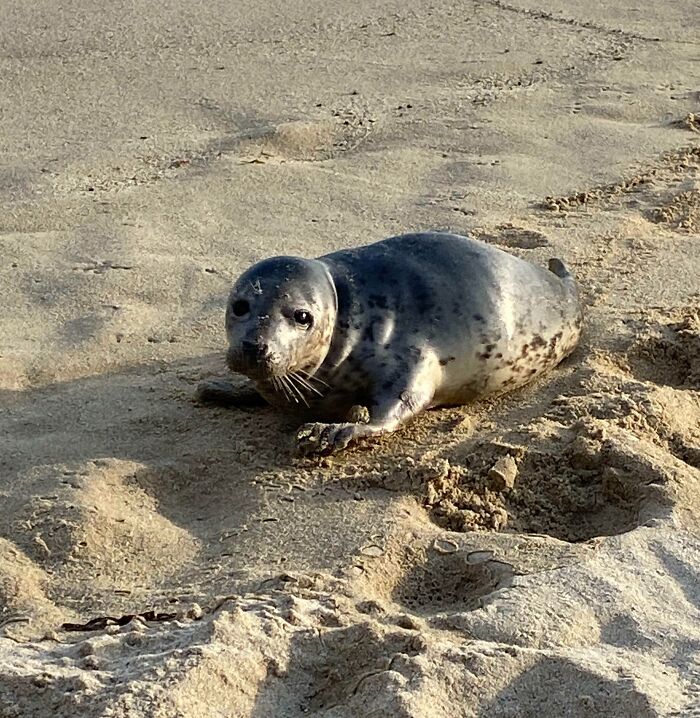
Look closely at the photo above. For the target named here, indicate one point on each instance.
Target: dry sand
(150, 151)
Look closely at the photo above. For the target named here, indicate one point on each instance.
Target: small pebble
(408, 622)
(503, 474)
(195, 612)
(86, 649)
(91, 663)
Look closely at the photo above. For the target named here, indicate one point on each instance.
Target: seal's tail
(573, 304)
(556, 266)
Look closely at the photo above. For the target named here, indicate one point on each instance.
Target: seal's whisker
(298, 391)
(306, 384)
(312, 377)
(285, 389)
(275, 385)
(302, 387)
(280, 387)
(292, 379)
(292, 389)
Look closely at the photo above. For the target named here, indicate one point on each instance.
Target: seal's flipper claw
(321, 439)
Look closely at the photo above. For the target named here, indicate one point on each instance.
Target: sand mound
(303, 141)
(669, 352)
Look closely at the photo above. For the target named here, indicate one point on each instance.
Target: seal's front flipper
(319, 439)
(224, 393)
(387, 414)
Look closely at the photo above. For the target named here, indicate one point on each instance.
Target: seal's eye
(240, 308)
(303, 317)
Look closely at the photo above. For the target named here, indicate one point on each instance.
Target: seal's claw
(318, 439)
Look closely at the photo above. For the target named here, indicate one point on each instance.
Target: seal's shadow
(124, 478)
(106, 474)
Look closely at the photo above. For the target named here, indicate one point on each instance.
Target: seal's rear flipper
(556, 266)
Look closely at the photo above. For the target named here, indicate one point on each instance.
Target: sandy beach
(149, 153)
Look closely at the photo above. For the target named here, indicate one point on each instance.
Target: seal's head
(280, 318)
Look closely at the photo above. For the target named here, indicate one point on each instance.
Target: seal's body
(399, 326)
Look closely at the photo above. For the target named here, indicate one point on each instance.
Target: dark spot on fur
(423, 303)
(414, 352)
(478, 317)
(538, 341)
(446, 360)
(552, 349)
(499, 355)
(490, 347)
(379, 300)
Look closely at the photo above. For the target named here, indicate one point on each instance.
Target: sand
(538, 555)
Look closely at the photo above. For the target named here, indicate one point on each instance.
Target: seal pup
(369, 337)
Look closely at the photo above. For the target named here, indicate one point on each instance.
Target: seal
(367, 338)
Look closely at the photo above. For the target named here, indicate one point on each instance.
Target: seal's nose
(255, 351)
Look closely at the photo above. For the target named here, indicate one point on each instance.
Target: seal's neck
(327, 324)
(339, 343)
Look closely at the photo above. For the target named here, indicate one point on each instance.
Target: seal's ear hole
(303, 318)
(240, 308)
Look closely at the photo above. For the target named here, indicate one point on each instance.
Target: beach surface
(532, 556)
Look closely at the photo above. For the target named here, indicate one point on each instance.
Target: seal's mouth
(295, 386)
(255, 364)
